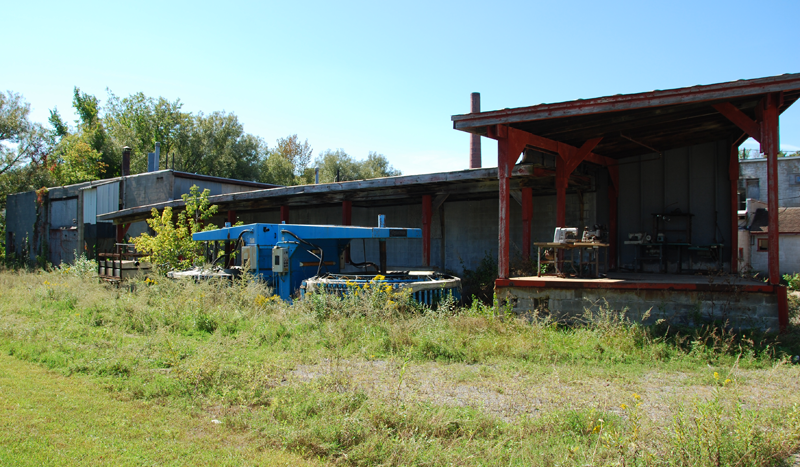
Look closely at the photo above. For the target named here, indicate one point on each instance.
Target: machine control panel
(280, 259)
(250, 256)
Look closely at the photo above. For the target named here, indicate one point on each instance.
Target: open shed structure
(671, 151)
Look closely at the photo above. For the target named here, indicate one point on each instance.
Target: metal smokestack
(475, 140)
(126, 161)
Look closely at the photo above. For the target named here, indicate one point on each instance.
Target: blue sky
(387, 76)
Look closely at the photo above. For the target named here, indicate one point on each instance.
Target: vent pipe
(126, 161)
(475, 140)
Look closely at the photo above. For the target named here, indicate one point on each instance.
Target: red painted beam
(427, 214)
(285, 214)
(347, 212)
(232, 216)
(122, 229)
(740, 119)
(627, 285)
(769, 146)
(527, 221)
(733, 175)
(510, 143)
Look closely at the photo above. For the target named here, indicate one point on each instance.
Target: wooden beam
(740, 119)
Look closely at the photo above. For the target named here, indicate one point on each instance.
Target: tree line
(55, 153)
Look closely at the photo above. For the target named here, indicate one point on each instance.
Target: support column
(769, 146)
(527, 221)
(504, 176)
(733, 175)
(427, 214)
(232, 216)
(285, 214)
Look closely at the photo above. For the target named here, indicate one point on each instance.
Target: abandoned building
(59, 222)
(659, 170)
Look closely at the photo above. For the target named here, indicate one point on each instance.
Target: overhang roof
(404, 189)
(636, 124)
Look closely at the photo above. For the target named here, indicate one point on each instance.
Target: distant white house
(754, 244)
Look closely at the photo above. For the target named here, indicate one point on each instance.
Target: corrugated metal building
(59, 222)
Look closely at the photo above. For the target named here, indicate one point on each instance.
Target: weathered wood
(687, 95)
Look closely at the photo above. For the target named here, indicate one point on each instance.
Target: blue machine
(286, 254)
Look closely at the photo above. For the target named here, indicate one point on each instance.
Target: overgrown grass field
(373, 379)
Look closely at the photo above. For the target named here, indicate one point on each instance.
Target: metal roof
(636, 124)
(404, 189)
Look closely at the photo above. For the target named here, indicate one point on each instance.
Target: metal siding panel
(107, 198)
(90, 206)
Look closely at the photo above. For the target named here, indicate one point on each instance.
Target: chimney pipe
(158, 156)
(316, 175)
(475, 140)
(126, 161)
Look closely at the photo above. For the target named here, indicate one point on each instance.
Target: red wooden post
(285, 214)
(769, 146)
(733, 175)
(232, 216)
(613, 195)
(504, 176)
(527, 221)
(347, 212)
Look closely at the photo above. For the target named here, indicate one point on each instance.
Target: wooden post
(562, 180)
(733, 175)
(285, 214)
(504, 176)
(527, 221)
(427, 214)
(769, 146)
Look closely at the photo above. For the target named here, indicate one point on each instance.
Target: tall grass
(233, 349)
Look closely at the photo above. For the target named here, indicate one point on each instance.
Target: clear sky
(387, 76)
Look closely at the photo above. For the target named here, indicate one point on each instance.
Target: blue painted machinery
(284, 255)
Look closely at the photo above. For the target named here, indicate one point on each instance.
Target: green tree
(338, 163)
(172, 247)
(139, 122)
(21, 141)
(376, 166)
(337, 166)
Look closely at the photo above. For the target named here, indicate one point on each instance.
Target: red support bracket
(427, 214)
(569, 159)
(122, 229)
(740, 119)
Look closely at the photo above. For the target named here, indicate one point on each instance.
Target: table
(593, 250)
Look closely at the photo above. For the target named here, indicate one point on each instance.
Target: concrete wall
(788, 185)
(693, 180)
(789, 254)
(751, 310)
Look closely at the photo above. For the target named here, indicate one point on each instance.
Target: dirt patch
(509, 395)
